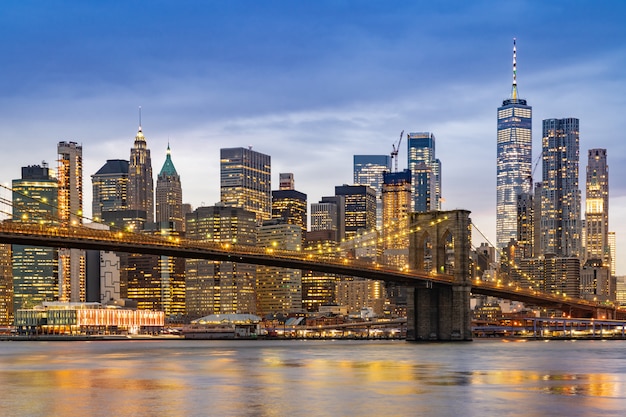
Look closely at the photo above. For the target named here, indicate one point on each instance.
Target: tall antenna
(140, 118)
(514, 88)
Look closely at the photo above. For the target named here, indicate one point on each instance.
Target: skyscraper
(290, 205)
(425, 172)
(245, 181)
(359, 208)
(141, 185)
(214, 287)
(368, 170)
(396, 208)
(110, 188)
(279, 290)
(169, 195)
(597, 207)
(35, 269)
(514, 160)
(72, 262)
(560, 197)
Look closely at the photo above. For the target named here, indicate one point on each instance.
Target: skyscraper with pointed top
(141, 187)
(514, 159)
(169, 195)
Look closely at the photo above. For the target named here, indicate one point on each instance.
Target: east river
(312, 378)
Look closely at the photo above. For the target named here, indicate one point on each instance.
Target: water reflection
(179, 378)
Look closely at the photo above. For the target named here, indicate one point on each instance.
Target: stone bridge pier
(440, 243)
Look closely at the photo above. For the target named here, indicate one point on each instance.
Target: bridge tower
(440, 243)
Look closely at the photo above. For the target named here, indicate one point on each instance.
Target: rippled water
(312, 378)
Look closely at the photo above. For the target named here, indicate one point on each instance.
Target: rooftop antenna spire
(514, 88)
(140, 118)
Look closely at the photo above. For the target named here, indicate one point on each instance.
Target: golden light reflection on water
(265, 379)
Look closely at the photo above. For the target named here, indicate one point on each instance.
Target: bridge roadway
(94, 239)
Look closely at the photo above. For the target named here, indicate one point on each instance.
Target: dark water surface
(312, 378)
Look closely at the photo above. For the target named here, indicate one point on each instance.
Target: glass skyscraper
(425, 172)
(110, 188)
(514, 160)
(560, 196)
(368, 170)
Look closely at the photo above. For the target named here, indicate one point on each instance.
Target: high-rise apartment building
(359, 208)
(279, 290)
(6, 286)
(214, 287)
(425, 172)
(597, 208)
(560, 197)
(141, 185)
(72, 262)
(514, 160)
(245, 181)
(369, 170)
(290, 205)
(35, 269)
(110, 188)
(169, 196)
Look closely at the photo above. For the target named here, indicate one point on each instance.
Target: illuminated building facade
(361, 293)
(549, 273)
(141, 185)
(154, 282)
(169, 196)
(359, 208)
(328, 214)
(86, 319)
(368, 170)
(525, 226)
(597, 208)
(596, 281)
(279, 290)
(110, 188)
(72, 262)
(318, 288)
(290, 205)
(245, 181)
(396, 197)
(35, 269)
(560, 197)
(425, 172)
(214, 287)
(6, 286)
(514, 160)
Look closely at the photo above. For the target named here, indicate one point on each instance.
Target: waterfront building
(169, 196)
(80, 319)
(102, 273)
(425, 172)
(35, 268)
(72, 262)
(279, 290)
(245, 181)
(369, 170)
(560, 197)
(359, 208)
(597, 208)
(289, 205)
(215, 287)
(514, 160)
(110, 188)
(141, 184)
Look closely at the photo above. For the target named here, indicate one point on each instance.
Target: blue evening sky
(311, 84)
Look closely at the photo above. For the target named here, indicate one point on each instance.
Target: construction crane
(394, 153)
(532, 173)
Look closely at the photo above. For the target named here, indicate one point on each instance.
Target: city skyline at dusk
(309, 85)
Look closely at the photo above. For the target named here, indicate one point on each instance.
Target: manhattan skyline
(311, 85)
